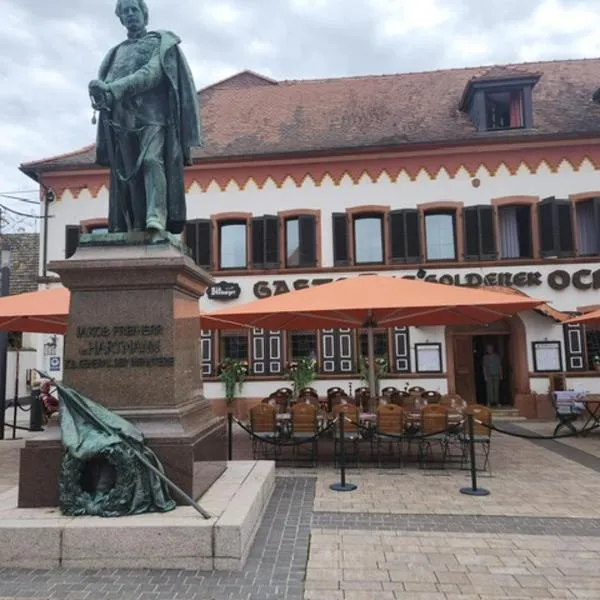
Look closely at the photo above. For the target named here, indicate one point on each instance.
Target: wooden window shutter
(566, 246)
(258, 242)
(307, 233)
(556, 227)
(487, 231)
(413, 235)
(546, 222)
(480, 235)
(271, 251)
(397, 233)
(341, 255)
(472, 233)
(198, 238)
(574, 347)
(72, 233)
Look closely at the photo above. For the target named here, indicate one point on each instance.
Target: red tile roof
(249, 115)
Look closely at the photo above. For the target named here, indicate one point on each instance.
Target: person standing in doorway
(492, 373)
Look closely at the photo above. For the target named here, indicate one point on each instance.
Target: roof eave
(485, 138)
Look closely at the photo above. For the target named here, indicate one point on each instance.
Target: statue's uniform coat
(166, 73)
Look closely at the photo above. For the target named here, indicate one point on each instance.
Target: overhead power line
(26, 200)
(20, 214)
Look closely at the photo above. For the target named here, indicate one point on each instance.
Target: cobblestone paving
(406, 535)
(528, 480)
(398, 565)
(274, 571)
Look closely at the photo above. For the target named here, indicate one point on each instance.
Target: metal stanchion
(229, 436)
(342, 486)
(473, 490)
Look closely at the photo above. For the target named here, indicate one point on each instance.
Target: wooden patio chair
(305, 426)
(263, 423)
(390, 420)
(433, 432)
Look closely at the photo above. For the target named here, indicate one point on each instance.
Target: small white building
(481, 176)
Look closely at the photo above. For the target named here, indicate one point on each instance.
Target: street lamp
(4, 291)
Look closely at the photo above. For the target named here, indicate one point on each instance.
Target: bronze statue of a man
(148, 124)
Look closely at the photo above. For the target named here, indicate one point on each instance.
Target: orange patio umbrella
(44, 311)
(591, 318)
(369, 302)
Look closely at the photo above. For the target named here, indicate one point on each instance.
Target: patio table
(592, 408)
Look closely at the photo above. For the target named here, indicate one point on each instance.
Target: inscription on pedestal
(119, 346)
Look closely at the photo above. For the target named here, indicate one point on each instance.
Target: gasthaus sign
(558, 279)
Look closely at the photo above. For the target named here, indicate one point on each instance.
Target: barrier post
(473, 490)
(229, 435)
(342, 486)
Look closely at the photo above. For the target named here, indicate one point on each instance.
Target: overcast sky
(50, 50)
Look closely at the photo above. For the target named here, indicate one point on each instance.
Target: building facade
(23, 264)
(476, 177)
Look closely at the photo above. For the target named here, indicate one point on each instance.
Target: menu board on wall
(547, 357)
(428, 358)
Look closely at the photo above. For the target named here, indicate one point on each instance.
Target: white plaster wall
(330, 198)
(27, 360)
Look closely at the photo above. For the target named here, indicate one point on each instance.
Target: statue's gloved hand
(100, 93)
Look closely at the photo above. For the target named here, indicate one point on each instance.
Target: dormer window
(500, 99)
(504, 110)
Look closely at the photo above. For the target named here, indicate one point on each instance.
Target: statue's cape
(183, 111)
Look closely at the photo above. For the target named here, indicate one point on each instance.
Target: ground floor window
(302, 345)
(380, 342)
(592, 342)
(234, 345)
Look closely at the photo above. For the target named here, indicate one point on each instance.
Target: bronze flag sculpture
(148, 124)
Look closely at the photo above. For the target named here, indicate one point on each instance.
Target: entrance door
(500, 344)
(464, 373)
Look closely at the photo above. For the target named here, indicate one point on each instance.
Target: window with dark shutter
(480, 238)
(341, 255)
(198, 240)
(72, 233)
(404, 236)
(265, 242)
(307, 227)
(556, 228)
(574, 347)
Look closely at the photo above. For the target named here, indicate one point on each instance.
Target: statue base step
(179, 539)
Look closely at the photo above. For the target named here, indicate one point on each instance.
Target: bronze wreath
(75, 501)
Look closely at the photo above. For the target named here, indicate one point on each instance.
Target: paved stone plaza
(401, 535)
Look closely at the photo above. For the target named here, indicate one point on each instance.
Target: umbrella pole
(371, 359)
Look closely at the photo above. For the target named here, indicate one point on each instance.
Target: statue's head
(133, 14)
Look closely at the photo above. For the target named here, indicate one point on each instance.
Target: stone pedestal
(133, 345)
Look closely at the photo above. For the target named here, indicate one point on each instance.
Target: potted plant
(301, 373)
(232, 374)
(381, 369)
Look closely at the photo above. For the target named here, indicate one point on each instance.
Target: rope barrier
(284, 443)
(537, 436)
(416, 435)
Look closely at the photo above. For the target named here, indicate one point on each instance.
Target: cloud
(49, 51)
